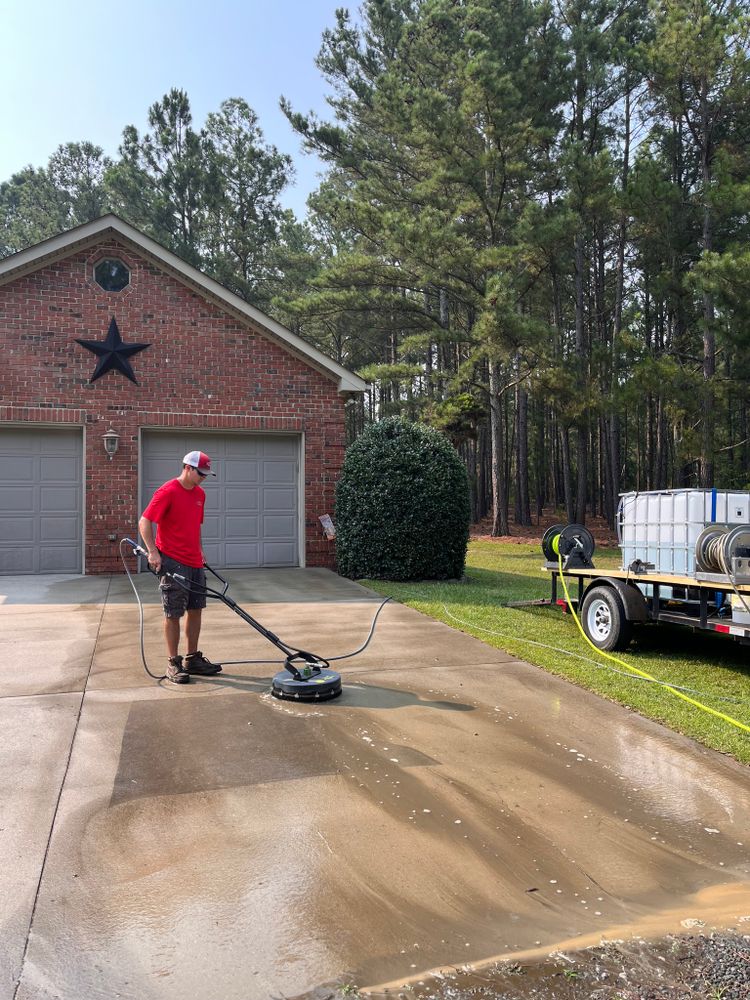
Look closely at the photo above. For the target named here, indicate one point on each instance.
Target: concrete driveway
(453, 806)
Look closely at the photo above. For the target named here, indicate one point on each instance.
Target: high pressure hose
(156, 677)
(330, 659)
(230, 663)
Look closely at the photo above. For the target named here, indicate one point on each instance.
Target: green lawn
(716, 670)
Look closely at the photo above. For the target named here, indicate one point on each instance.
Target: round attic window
(111, 274)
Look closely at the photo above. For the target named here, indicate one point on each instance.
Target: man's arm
(146, 529)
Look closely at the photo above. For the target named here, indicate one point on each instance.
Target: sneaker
(176, 673)
(196, 663)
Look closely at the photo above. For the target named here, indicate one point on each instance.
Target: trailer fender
(636, 609)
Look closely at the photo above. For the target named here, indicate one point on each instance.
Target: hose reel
(573, 542)
(719, 546)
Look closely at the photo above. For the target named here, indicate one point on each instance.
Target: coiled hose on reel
(718, 545)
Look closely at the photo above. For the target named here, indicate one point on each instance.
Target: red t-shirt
(178, 514)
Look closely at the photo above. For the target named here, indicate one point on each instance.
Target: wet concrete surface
(455, 806)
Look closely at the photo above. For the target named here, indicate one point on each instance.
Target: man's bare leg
(172, 635)
(193, 629)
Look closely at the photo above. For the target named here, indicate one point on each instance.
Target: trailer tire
(604, 620)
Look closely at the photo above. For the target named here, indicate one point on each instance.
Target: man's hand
(147, 534)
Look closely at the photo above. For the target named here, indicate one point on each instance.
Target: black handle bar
(138, 550)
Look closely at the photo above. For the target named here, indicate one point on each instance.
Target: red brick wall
(204, 369)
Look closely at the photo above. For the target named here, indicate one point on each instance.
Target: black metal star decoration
(113, 353)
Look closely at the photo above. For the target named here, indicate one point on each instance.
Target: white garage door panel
(248, 554)
(278, 526)
(41, 500)
(17, 561)
(62, 499)
(16, 499)
(252, 506)
(54, 559)
(279, 472)
(237, 498)
(278, 500)
(211, 529)
(57, 469)
(17, 530)
(239, 527)
(277, 553)
(242, 471)
(23, 469)
(242, 446)
(56, 529)
(285, 447)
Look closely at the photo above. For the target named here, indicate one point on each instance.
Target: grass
(716, 670)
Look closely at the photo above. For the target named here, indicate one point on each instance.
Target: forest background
(531, 233)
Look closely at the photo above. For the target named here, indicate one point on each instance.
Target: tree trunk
(613, 424)
(581, 435)
(566, 474)
(499, 509)
(709, 337)
(523, 507)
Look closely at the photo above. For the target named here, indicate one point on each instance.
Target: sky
(74, 70)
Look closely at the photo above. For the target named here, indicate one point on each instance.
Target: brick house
(107, 340)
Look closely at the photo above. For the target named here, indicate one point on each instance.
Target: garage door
(252, 506)
(41, 500)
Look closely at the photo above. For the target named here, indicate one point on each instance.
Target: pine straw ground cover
(714, 670)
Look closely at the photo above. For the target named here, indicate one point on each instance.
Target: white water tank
(662, 526)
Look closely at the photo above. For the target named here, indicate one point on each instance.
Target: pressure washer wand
(314, 662)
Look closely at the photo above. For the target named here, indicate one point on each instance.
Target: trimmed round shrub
(402, 505)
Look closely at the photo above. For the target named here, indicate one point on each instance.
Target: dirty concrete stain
(191, 746)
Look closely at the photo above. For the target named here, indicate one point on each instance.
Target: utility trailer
(686, 561)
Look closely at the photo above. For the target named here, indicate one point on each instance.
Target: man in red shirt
(177, 510)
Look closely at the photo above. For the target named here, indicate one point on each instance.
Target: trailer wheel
(603, 619)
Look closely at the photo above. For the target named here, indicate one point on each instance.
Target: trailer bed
(701, 607)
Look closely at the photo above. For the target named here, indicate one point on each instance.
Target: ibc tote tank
(662, 526)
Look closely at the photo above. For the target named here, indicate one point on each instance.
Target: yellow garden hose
(635, 670)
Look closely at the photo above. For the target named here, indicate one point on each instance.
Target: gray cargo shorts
(176, 595)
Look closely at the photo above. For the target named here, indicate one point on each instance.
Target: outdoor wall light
(111, 443)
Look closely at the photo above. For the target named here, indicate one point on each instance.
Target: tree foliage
(545, 216)
(37, 203)
(209, 194)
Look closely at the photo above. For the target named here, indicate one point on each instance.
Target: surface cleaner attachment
(306, 677)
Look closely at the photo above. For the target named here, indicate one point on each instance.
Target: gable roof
(57, 247)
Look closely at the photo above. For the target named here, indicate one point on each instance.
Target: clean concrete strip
(47, 649)
(35, 739)
(49, 653)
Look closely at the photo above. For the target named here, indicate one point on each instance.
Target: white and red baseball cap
(200, 461)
